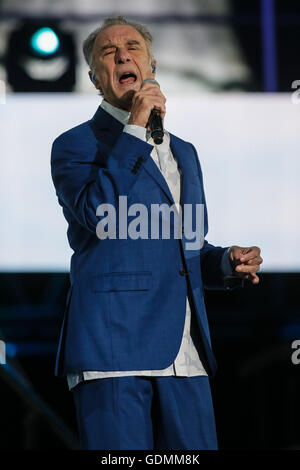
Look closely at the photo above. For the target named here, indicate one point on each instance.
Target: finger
(255, 261)
(152, 98)
(149, 107)
(161, 107)
(255, 278)
(148, 100)
(149, 83)
(151, 89)
(253, 252)
(151, 93)
(251, 277)
(245, 268)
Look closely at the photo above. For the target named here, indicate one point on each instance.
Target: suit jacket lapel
(151, 167)
(183, 154)
(107, 130)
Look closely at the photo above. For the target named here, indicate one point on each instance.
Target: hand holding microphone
(148, 109)
(155, 120)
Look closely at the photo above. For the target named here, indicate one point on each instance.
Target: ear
(153, 72)
(94, 82)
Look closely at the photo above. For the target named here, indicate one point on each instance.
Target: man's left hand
(245, 262)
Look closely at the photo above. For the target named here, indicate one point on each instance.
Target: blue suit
(126, 304)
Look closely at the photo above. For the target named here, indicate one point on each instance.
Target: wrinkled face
(121, 62)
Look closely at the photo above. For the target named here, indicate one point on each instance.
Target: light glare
(45, 41)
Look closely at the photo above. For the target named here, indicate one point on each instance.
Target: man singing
(135, 343)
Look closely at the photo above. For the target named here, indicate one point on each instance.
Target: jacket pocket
(121, 281)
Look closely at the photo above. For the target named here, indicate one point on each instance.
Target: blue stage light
(44, 41)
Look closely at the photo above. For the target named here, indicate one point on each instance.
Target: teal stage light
(44, 41)
(40, 57)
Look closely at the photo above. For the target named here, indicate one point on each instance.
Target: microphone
(155, 121)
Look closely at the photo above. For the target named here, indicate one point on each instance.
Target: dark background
(255, 390)
(247, 27)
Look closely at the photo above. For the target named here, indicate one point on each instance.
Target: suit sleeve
(81, 185)
(211, 256)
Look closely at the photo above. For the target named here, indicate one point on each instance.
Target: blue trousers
(147, 413)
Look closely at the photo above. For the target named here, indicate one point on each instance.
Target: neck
(123, 103)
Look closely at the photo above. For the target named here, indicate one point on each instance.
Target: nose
(122, 56)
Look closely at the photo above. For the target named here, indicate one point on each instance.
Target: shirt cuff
(225, 264)
(136, 131)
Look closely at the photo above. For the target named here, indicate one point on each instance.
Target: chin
(125, 100)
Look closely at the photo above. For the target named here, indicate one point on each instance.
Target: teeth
(126, 75)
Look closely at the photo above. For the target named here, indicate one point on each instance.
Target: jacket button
(182, 272)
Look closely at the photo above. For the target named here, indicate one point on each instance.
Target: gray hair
(88, 44)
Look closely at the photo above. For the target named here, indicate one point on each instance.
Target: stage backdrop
(248, 146)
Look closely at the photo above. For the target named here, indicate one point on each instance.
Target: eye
(109, 52)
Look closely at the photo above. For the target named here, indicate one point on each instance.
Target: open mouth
(127, 78)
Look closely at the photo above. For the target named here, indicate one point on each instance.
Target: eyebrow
(130, 42)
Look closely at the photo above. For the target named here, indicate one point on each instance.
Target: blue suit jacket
(126, 304)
